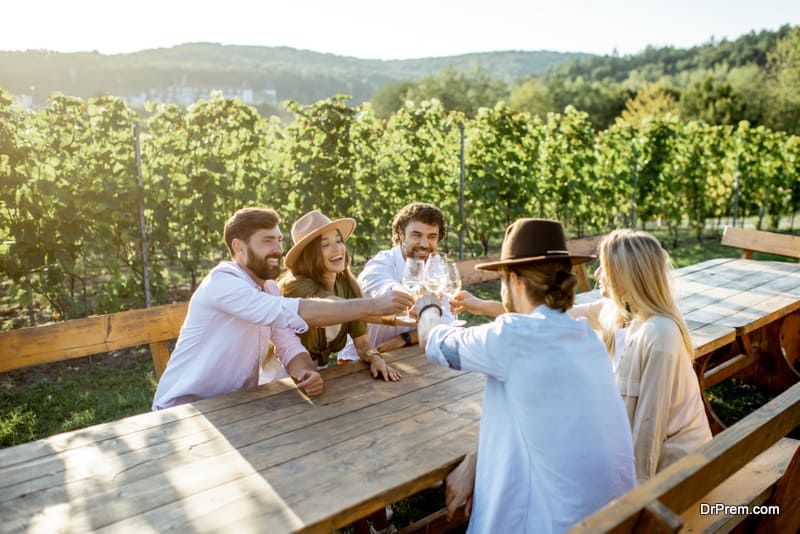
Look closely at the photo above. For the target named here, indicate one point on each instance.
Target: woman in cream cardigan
(649, 345)
(651, 350)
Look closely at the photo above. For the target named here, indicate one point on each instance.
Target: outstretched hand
(466, 301)
(379, 367)
(393, 302)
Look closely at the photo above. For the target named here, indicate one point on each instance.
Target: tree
(713, 102)
(652, 102)
(784, 84)
(456, 90)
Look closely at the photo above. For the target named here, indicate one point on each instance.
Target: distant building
(182, 95)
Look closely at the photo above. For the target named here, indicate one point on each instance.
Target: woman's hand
(378, 366)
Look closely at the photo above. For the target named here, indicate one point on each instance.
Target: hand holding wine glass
(452, 287)
(412, 277)
(435, 274)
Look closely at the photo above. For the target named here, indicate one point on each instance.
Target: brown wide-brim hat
(532, 241)
(311, 225)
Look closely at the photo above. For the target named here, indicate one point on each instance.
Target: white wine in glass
(452, 287)
(412, 278)
(435, 274)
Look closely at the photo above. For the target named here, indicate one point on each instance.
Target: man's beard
(508, 299)
(418, 253)
(261, 268)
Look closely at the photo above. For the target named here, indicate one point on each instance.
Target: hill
(256, 74)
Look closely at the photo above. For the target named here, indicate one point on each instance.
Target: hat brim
(497, 265)
(345, 227)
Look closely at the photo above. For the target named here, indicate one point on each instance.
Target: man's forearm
(322, 312)
(298, 364)
(492, 308)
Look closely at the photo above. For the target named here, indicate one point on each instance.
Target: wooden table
(270, 460)
(263, 460)
(744, 318)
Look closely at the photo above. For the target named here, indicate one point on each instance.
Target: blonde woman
(655, 375)
(649, 345)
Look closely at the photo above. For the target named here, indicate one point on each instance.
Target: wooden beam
(83, 337)
(758, 241)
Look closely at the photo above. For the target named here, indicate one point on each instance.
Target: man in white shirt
(555, 444)
(237, 310)
(417, 230)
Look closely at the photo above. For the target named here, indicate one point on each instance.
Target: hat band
(557, 252)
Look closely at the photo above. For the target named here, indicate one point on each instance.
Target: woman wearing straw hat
(319, 266)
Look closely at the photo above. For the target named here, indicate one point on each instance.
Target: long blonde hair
(638, 274)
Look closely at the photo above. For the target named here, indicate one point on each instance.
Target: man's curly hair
(418, 211)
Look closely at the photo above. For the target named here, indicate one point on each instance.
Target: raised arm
(324, 312)
(466, 301)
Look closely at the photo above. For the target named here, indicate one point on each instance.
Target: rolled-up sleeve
(235, 297)
(469, 349)
(591, 312)
(287, 345)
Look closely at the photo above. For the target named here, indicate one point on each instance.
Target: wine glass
(435, 274)
(452, 287)
(412, 277)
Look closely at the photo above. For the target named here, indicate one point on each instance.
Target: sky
(376, 29)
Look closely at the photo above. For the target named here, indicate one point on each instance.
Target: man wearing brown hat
(237, 310)
(555, 443)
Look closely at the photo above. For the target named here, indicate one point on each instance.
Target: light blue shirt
(555, 442)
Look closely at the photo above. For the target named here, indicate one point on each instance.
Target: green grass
(49, 399)
(733, 399)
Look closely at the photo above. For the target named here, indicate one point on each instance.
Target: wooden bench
(749, 465)
(585, 246)
(757, 241)
(77, 338)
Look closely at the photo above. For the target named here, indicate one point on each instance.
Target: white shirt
(226, 335)
(382, 274)
(555, 442)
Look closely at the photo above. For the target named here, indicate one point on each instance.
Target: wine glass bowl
(452, 287)
(435, 274)
(412, 278)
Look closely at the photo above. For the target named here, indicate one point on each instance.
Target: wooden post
(461, 199)
(145, 266)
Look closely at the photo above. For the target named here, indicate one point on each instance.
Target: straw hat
(311, 225)
(532, 241)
